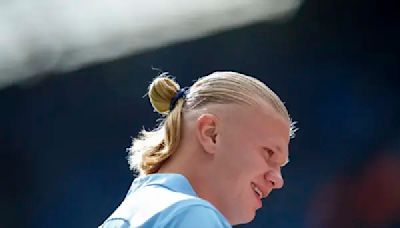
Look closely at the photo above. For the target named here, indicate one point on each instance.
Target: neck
(198, 169)
(193, 164)
(184, 161)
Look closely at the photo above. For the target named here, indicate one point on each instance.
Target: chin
(251, 217)
(245, 218)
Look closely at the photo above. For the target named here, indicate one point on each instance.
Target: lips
(261, 193)
(257, 190)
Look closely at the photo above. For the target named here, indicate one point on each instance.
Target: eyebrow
(278, 148)
(286, 162)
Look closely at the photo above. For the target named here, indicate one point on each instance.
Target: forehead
(261, 123)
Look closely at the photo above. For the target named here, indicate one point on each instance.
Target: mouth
(257, 190)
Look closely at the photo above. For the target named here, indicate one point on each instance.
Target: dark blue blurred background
(335, 64)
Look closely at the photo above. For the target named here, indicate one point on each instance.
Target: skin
(225, 149)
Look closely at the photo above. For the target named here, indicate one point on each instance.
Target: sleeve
(115, 223)
(196, 216)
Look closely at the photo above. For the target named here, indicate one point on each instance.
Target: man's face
(252, 146)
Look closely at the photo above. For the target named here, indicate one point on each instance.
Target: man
(216, 155)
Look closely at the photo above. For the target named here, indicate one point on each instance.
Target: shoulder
(149, 205)
(188, 213)
(160, 206)
(194, 213)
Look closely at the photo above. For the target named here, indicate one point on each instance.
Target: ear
(206, 131)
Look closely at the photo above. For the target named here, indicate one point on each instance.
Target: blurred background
(73, 77)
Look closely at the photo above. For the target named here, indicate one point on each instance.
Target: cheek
(230, 161)
(233, 152)
(237, 157)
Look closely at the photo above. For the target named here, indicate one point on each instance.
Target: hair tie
(179, 94)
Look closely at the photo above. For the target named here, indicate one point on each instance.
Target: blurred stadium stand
(335, 63)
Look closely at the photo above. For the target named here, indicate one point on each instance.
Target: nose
(275, 178)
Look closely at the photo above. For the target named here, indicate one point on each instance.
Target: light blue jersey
(164, 200)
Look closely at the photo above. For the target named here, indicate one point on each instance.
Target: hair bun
(161, 92)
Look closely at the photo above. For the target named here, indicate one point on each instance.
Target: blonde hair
(151, 149)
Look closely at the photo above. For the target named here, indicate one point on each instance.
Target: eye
(269, 151)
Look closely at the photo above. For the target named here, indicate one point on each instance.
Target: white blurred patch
(48, 36)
